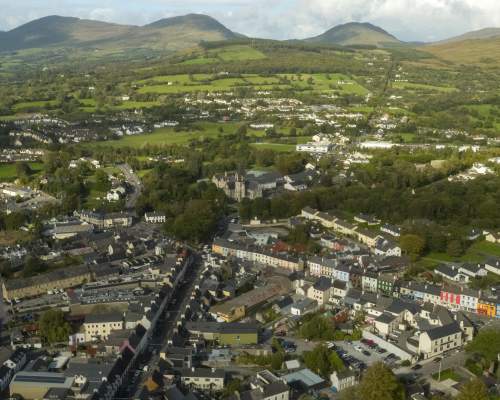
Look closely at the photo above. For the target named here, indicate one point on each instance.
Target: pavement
(134, 181)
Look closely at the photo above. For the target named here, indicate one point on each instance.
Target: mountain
(355, 34)
(485, 52)
(68, 32)
(486, 33)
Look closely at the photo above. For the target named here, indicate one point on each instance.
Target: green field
(172, 84)
(8, 171)
(447, 374)
(279, 147)
(226, 54)
(27, 105)
(422, 86)
(168, 136)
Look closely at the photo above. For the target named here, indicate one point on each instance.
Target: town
(190, 213)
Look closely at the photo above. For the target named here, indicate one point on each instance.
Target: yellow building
(99, 326)
(487, 307)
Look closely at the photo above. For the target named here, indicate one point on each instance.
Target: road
(134, 181)
(163, 332)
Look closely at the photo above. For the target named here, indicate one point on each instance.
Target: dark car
(366, 353)
(416, 367)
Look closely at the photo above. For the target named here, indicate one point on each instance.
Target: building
(99, 326)
(321, 290)
(234, 309)
(392, 230)
(314, 147)
(436, 341)
(367, 237)
(203, 378)
(155, 217)
(493, 237)
(225, 333)
(265, 386)
(251, 185)
(343, 379)
(303, 306)
(59, 279)
(493, 265)
(106, 220)
(33, 385)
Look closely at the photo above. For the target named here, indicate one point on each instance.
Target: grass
(168, 136)
(28, 105)
(422, 86)
(485, 52)
(478, 252)
(9, 238)
(226, 54)
(318, 83)
(447, 374)
(278, 147)
(8, 171)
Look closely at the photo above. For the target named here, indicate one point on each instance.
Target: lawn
(478, 252)
(8, 171)
(447, 374)
(422, 86)
(279, 147)
(29, 105)
(168, 136)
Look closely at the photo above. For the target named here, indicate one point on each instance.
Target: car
(380, 350)
(416, 367)
(437, 359)
(358, 348)
(366, 353)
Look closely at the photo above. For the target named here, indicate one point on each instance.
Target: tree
(380, 383)
(53, 327)
(454, 248)
(23, 170)
(323, 361)
(412, 245)
(486, 343)
(233, 386)
(474, 390)
(318, 327)
(102, 183)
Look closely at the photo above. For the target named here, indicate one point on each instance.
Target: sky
(409, 20)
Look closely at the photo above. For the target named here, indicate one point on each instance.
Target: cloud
(423, 20)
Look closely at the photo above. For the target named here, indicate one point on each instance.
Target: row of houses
(256, 254)
(378, 243)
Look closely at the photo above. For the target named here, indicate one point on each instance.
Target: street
(134, 181)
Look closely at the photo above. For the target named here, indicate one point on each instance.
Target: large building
(225, 333)
(40, 284)
(238, 186)
(100, 326)
(106, 220)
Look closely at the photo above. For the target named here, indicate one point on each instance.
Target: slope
(356, 33)
(485, 52)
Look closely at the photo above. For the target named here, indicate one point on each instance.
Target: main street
(163, 332)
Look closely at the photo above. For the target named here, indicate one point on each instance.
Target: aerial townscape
(191, 213)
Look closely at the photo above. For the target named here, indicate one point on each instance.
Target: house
(451, 272)
(493, 237)
(367, 237)
(265, 386)
(473, 270)
(319, 266)
(6, 374)
(99, 326)
(343, 379)
(392, 230)
(116, 193)
(178, 357)
(203, 378)
(321, 290)
(155, 217)
(304, 380)
(369, 281)
(487, 306)
(339, 290)
(436, 341)
(493, 265)
(303, 306)
(385, 247)
(366, 219)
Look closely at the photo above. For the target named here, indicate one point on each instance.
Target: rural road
(135, 182)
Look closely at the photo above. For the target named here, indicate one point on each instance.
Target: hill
(68, 32)
(472, 51)
(356, 34)
(486, 33)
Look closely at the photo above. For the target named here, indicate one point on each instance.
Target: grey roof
(102, 318)
(385, 318)
(217, 327)
(442, 331)
(447, 270)
(202, 373)
(322, 284)
(52, 276)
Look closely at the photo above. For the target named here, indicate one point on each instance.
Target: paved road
(134, 181)
(165, 327)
